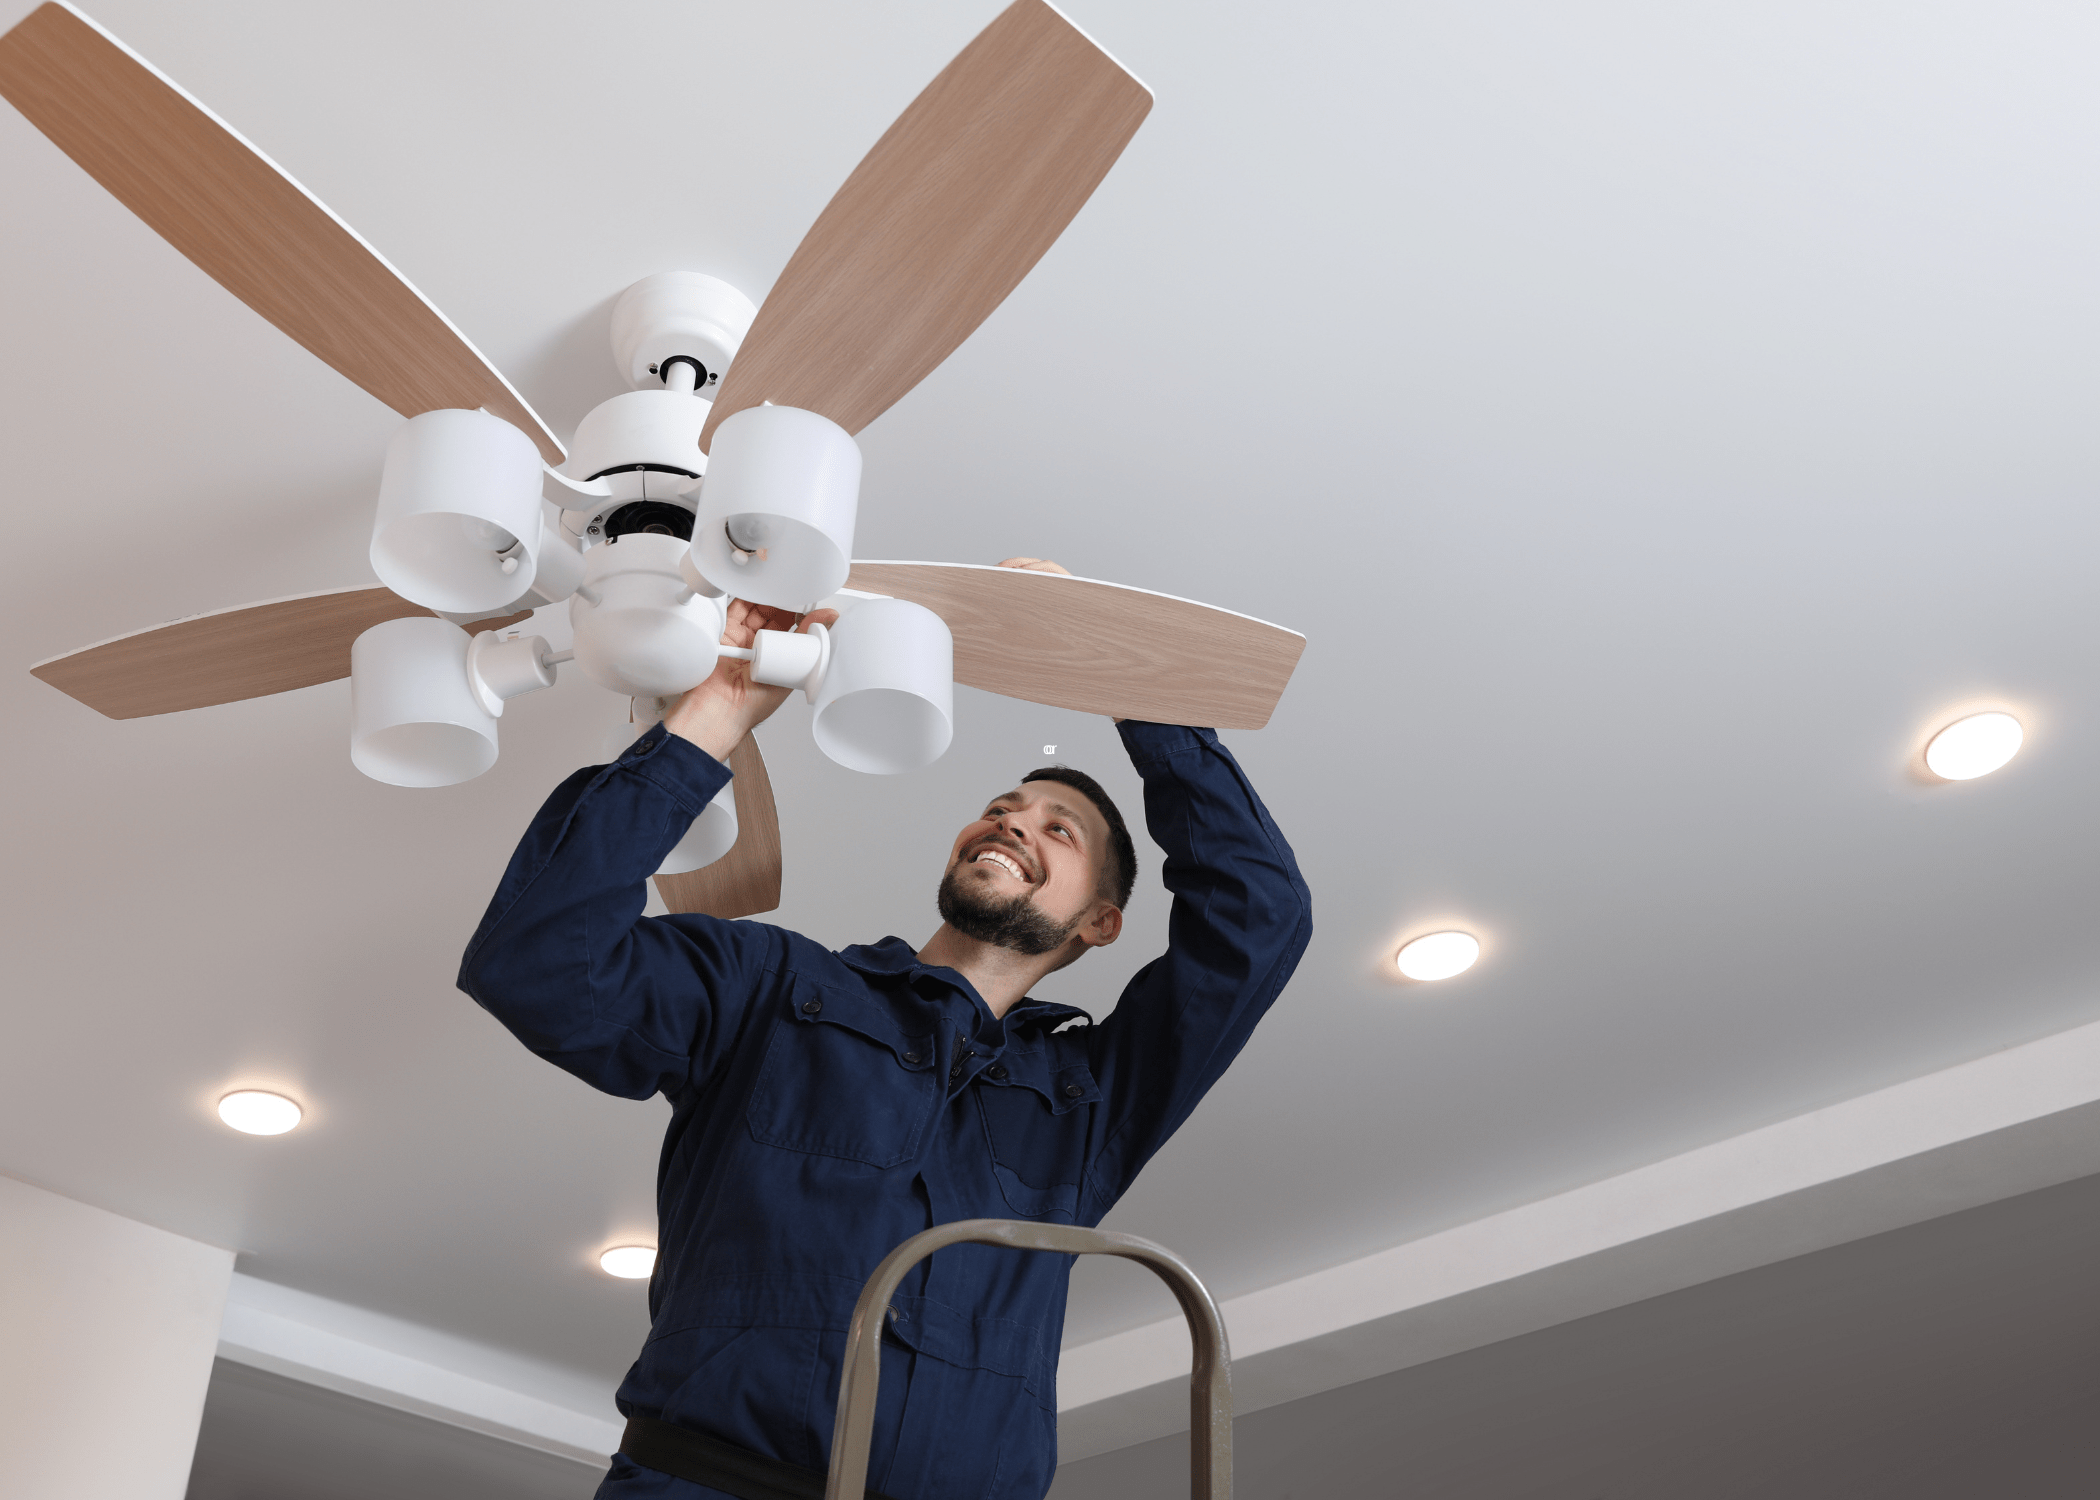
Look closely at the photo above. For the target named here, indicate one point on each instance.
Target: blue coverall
(827, 1106)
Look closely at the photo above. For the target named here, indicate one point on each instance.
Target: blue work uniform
(827, 1106)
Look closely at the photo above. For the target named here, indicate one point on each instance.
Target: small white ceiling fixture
(253, 1112)
(1972, 747)
(629, 1262)
(1439, 955)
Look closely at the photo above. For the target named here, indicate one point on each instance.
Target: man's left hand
(718, 713)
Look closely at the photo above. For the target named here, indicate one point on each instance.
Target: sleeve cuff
(681, 768)
(1149, 744)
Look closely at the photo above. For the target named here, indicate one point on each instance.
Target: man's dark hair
(1117, 875)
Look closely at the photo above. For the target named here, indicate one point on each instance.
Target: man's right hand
(718, 713)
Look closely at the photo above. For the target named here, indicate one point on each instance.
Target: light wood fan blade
(953, 206)
(745, 881)
(232, 654)
(1100, 648)
(244, 221)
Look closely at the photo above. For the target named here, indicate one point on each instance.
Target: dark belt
(685, 1454)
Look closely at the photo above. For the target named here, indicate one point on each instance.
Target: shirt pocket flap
(1064, 1085)
(865, 1014)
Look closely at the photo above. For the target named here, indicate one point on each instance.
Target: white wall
(107, 1331)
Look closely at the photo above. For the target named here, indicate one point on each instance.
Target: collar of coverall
(894, 958)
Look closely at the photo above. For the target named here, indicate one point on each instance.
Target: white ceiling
(1657, 418)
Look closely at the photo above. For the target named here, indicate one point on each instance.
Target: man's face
(1026, 875)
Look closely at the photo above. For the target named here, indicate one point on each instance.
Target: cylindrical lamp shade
(782, 491)
(458, 527)
(414, 717)
(887, 704)
(710, 837)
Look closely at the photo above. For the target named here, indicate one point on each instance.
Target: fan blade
(245, 223)
(745, 881)
(958, 200)
(248, 652)
(1100, 648)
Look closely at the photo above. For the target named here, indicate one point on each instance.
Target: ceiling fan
(729, 472)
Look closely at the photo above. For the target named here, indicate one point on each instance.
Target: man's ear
(1104, 926)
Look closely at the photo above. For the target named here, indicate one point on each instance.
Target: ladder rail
(1210, 1385)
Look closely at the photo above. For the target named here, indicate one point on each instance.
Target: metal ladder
(1210, 1386)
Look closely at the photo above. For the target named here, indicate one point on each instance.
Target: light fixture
(254, 1112)
(1974, 746)
(629, 1262)
(425, 697)
(1439, 955)
(644, 626)
(775, 524)
(882, 680)
(459, 526)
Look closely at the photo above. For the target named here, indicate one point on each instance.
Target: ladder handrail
(1210, 1385)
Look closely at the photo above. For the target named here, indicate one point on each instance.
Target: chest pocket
(1037, 1123)
(842, 1078)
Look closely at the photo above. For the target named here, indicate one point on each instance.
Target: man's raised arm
(1241, 920)
(564, 957)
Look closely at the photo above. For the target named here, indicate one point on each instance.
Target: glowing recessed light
(257, 1113)
(1439, 955)
(1972, 747)
(629, 1262)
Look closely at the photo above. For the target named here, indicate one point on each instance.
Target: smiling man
(826, 1106)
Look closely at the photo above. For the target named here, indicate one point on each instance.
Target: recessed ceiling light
(1972, 747)
(1439, 955)
(256, 1113)
(629, 1262)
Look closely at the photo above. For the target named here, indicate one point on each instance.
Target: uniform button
(1073, 1091)
(997, 1070)
(811, 1007)
(910, 1057)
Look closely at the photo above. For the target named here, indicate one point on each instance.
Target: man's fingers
(824, 617)
(1035, 565)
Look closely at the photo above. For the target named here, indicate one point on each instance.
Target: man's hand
(718, 713)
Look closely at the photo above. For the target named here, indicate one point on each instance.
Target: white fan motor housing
(679, 313)
(660, 428)
(640, 629)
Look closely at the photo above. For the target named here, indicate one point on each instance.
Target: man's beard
(1010, 922)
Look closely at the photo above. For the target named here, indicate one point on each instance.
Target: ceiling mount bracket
(678, 316)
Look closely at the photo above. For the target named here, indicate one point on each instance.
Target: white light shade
(1439, 955)
(629, 1262)
(712, 835)
(458, 527)
(887, 701)
(415, 719)
(640, 630)
(253, 1112)
(1972, 747)
(784, 482)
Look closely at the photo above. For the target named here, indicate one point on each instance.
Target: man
(828, 1106)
